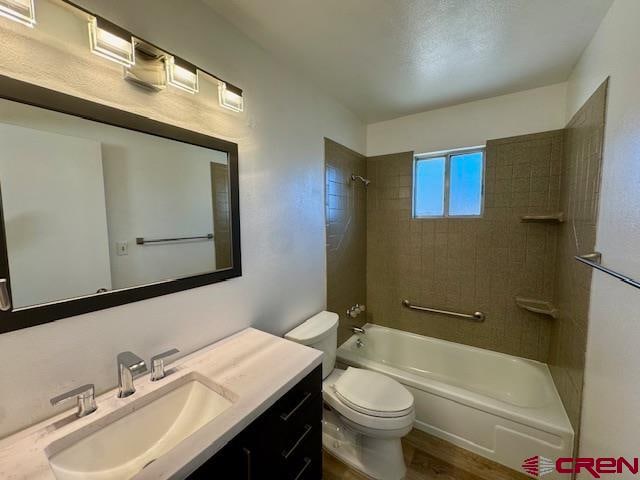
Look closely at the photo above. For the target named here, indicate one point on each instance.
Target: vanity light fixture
(149, 71)
(156, 69)
(230, 97)
(181, 74)
(111, 42)
(21, 11)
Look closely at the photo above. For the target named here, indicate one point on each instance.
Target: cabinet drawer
(288, 408)
(290, 430)
(305, 458)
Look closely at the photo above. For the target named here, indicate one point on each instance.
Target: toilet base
(377, 458)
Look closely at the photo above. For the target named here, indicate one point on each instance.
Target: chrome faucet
(129, 366)
(359, 331)
(85, 396)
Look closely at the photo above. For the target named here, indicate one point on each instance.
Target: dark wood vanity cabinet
(284, 443)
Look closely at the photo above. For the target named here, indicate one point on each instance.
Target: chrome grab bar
(475, 316)
(144, 241)
(593, 260)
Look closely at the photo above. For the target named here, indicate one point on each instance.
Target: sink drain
(148, 463)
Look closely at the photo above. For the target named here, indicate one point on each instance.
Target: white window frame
(447, 154)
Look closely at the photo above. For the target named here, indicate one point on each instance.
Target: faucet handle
(355, 310)
(157, 364)
(85, 396)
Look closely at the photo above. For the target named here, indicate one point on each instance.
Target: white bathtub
(502, 407)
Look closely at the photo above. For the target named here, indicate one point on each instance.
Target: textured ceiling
(389, 58)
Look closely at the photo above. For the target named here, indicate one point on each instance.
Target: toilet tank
(319, 332)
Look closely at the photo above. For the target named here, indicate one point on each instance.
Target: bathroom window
(449, 184)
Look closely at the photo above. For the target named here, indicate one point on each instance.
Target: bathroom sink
(122, 448)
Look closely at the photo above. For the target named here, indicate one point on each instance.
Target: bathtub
(502, 407)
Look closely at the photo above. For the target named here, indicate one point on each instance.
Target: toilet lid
(373, 393)
(314, 329)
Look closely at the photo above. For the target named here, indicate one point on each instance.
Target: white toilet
(366, 413)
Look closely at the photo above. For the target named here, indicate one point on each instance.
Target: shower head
(355, 177)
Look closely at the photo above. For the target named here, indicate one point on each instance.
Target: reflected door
(55, 217)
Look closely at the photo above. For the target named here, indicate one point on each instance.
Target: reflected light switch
(122, 248)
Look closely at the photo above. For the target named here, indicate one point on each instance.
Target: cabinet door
(252, 455)
(259, 445)
(230, 463)
(284, 443)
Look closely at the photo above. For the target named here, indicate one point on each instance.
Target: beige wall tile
(467, 264)
(346, 227)
(579, 197)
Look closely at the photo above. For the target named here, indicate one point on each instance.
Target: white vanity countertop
(252, 367)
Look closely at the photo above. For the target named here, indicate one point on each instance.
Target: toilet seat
(373, 393)
(364, 417)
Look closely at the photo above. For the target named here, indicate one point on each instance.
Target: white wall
(471, 124)
(280, 139)
(610, 420)
(54, 213)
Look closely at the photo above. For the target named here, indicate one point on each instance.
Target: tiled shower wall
(346, 224)
(584, 138)
(468, 264)
(477, 263)
(221, 215)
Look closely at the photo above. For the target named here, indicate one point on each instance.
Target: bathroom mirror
(102, 207)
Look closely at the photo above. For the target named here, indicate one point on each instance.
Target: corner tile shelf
(537, 306)
(547, 218)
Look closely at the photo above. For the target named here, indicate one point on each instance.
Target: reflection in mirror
(90, 207)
